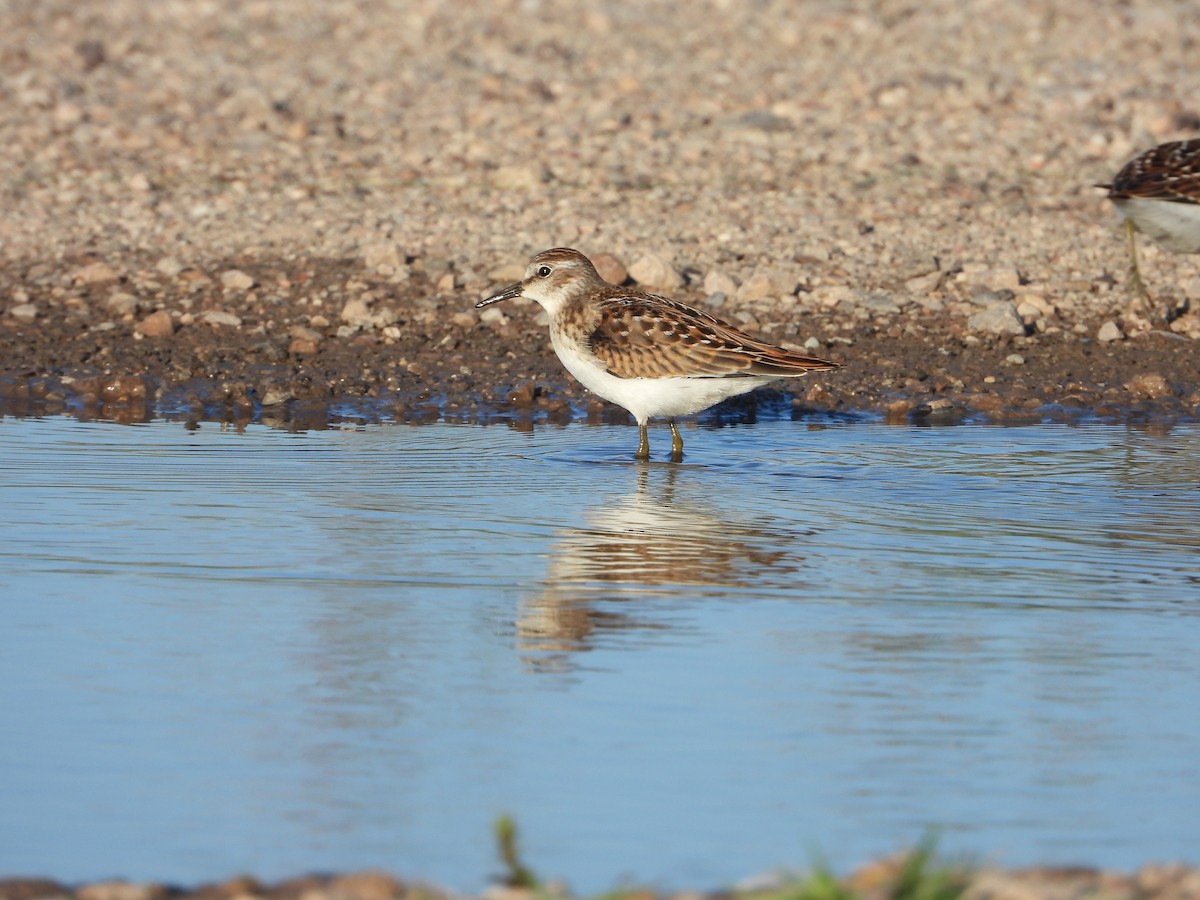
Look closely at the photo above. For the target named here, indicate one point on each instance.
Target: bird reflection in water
(658, 543)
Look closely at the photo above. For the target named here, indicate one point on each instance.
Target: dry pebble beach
(288, 208)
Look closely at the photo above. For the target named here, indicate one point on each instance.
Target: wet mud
(300, 347)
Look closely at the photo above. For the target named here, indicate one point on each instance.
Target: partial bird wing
(640, 335)
(1168, 172)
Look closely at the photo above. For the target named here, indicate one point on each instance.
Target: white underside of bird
(1173, 225)
(650, 397)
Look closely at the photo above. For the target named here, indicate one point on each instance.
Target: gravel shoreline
(229, 206)
(126, 346)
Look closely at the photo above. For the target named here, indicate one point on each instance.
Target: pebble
(757, 287)
(236, 280)
(95, 273)
(157, 324)
(832, 295)
(493, 315)
(654, 272)
(717, 282)
(1109, 332)
(120, 890)
(221, 317)
(517, 178)
(168, 266)
(610, 268)
(507, 274)
(305, 334)
(358, 314)
(991, 298)
(999, 318)
(383, 253)
(1149, 385)
(24, 312)
(879, 303)
(1015, 359)
(121, 303)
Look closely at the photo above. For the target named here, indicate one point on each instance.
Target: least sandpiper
(1158, 194)
(650, 354)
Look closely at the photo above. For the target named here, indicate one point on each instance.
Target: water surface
(254, 651)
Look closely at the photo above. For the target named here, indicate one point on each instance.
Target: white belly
(1174, 226)
(647, 397)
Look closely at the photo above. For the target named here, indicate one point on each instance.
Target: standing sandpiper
(1158, 194)
(650, 354)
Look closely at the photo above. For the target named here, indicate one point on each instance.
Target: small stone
(655, 272)
(717, 282)
(493, 315)
(517, 178)
(924, 284)
(756, 287)
(236, 280)
(300, 346)
(366, 886)
(812, 344)
(356, 312)
(999, 318)
(305, 334)
(95, 273)
(880, 303)
(610, 268)
(120, 303)
(118, 890)
(1015, 359)
(831, 295)
(1148, 385)
(168, 266)
(991, 298)
(384, 253)
(276, 394)
(507, 274)
(1034, 306)
(24, 312)
(1109, 332)
(157, 324)
(463, 320)
(220, 317)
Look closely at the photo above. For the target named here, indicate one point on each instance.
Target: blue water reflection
(275, 652)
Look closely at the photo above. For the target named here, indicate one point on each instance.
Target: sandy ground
(224, 206)
(287, 208)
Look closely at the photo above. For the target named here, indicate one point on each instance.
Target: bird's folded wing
(1169, 172)
(655, 337)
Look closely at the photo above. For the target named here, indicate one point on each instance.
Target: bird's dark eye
(543, 271)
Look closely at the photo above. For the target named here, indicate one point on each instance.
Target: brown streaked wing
(647, 336)
(1168, 172)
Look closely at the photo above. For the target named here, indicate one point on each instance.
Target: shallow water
(270, 652)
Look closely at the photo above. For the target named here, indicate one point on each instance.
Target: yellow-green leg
(1140, 301)
(643, 450)
(676, 443)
